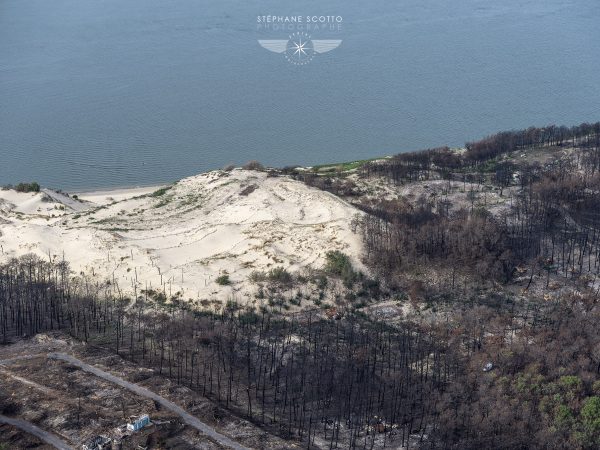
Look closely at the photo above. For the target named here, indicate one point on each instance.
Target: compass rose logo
(300, 48)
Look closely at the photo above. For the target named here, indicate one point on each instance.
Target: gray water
(108, 93)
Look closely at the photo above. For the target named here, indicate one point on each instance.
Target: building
(139, 423)
(97, 443)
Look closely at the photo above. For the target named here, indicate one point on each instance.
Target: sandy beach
(104, 197)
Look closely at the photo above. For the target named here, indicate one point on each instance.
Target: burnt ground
(76, 405)
(13, 438)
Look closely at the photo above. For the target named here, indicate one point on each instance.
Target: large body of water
(108, 93)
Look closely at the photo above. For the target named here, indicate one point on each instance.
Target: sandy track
(187, 418)
(30, 428)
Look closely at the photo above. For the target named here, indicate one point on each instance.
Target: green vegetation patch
(338, 264)
(160, 192)
(278, 275)
(223, 280)
(343, 166)
(25, 187)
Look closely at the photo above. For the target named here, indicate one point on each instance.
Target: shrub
(160, 192)
(321, 281)
(276, 275)
(590, 414)
(338, 263)
(28, 187)
(248, 190)
(571, 383)
(223, 280)
(563, 417)
(257, 276)
(301, 279)
(279, 275)
(253, 165)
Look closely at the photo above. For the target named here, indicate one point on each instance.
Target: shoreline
(108, 195)
(346, 165)
(110, 189)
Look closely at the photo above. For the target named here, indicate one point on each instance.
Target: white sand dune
(182, 240)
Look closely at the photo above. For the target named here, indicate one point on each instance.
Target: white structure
(139, 423)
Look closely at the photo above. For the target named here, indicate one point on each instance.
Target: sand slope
(183, 239)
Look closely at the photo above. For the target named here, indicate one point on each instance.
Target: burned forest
(473, 322)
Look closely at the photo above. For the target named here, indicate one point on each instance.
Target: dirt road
(35, 431)
(187, 418)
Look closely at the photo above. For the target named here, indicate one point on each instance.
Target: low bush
(279, 275)
(253, 165)
(160, 192)
(339, 264)
(223, 280)
(28, 187)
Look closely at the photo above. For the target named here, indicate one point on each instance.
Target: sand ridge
(180, 238)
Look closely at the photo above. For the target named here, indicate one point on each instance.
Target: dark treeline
(583, 135)
(546, 391)
(348, 383)
(398, 237)
(555, 221)
(414, 166)
(357, 383)
(344, 188)
(551, 221)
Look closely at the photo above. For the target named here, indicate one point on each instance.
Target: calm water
(106, 93)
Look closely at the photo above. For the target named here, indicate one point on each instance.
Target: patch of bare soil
(76, 405)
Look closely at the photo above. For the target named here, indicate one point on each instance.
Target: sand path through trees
(187, 418)
(30, 428)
